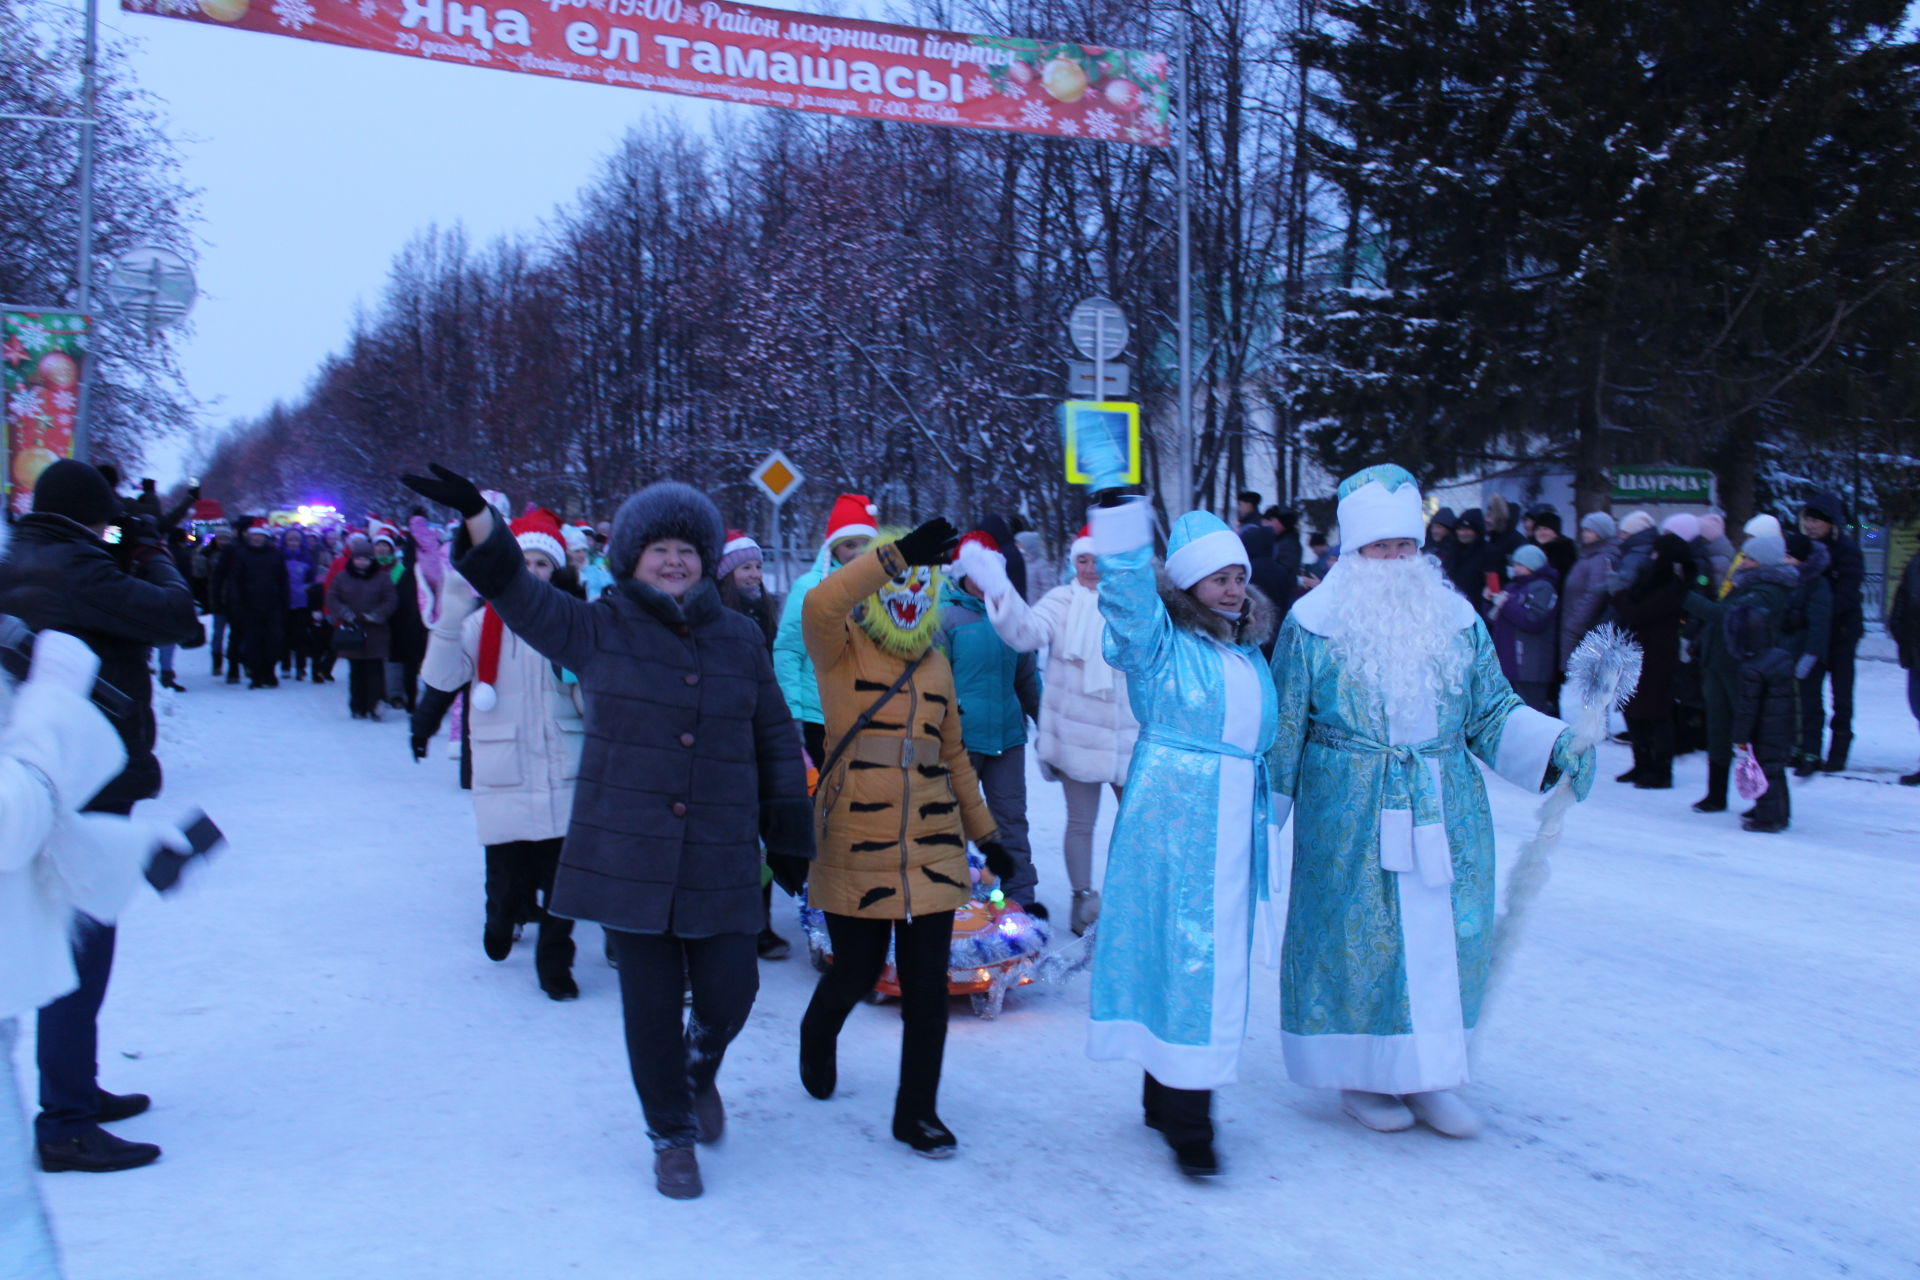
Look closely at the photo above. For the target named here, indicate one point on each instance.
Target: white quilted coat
(526, 750)
(1085, 734)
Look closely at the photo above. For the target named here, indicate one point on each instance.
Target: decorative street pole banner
(741, 53)
(40, 353)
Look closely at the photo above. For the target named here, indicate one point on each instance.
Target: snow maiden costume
(1189, 851)
(1389, 687)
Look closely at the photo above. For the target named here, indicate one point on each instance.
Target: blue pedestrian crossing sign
(1100, 429)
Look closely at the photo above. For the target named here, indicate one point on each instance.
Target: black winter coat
(764, 609)
(257, 580)
(1472, 562)
(1846, 570)
(1270, 578)
(1903, 620)
(1764, 706)
(1652, 609)
(691, 758)
(59, 577)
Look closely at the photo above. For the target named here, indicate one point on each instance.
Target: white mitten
(64, 662)
(987, 569)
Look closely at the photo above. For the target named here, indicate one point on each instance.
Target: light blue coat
(791, 665)
(1390, 916)
(1188, 864)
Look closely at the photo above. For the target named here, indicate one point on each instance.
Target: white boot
(1086, 909)
(1444, 1112)
(1379, 1111)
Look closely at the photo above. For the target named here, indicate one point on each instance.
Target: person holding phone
(60, 575)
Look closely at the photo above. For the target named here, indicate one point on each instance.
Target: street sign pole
(83, 265)
(1183, 185)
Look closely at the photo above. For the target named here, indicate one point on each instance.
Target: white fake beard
(1394, 626)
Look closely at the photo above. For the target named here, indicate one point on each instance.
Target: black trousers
(519, 886)
(297, 640)
(1652, 741)
(814, 736)
(921, 947)
(1838, 666)
(262, 636)
(366, 684)
(68, 1051)
(673, 1059)
(1181, 1115)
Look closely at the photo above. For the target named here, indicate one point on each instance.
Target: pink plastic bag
(1748, 777)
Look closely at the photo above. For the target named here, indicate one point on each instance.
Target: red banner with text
(742, 53)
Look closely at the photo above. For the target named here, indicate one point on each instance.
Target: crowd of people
(654, 740)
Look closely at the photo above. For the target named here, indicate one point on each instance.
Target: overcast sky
(317, 163)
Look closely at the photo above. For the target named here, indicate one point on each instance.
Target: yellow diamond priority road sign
(777, 477)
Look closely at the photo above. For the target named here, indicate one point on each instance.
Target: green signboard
(1663, 484)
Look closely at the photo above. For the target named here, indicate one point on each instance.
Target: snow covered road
(1704, 1067)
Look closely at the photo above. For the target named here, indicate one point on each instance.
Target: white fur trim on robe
(1526, 747)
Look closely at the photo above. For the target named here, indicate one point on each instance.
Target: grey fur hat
(668, 509)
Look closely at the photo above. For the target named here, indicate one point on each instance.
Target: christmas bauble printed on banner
(41, 354)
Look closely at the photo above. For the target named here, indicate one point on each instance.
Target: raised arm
(823, 618)
(1138, 628)
(558, 625)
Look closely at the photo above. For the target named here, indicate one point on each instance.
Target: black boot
(497, 937)
(1184, 1118)
(820, 1043)
(96, 1151)
(553, 959)
(771, 945)
(1837, 753)
(109, 1108)
(1715, 801)
(1656, 769)
(1636, 742)
(926, 1135)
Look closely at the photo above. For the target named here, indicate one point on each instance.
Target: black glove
(789, 871)
(999, 861)
(932, 543)
(448, 489)
(193, 492)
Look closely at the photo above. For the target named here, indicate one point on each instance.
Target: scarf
(1080, 641)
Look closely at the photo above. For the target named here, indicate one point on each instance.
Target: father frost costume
(1389, 688)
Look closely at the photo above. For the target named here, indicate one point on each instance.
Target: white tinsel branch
(1602, 673)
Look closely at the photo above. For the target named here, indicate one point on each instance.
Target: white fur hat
(1382, 501)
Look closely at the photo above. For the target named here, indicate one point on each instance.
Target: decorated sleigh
(995, 946)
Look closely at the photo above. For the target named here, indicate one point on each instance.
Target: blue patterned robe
(1390, 913)
(1187, 865)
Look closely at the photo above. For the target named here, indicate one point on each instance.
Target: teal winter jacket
(999, 689)
(791, 665)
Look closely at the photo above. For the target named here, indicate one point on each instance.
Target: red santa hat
(379, 530)
(1082, 544)
(538, 530)
(854, 516)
